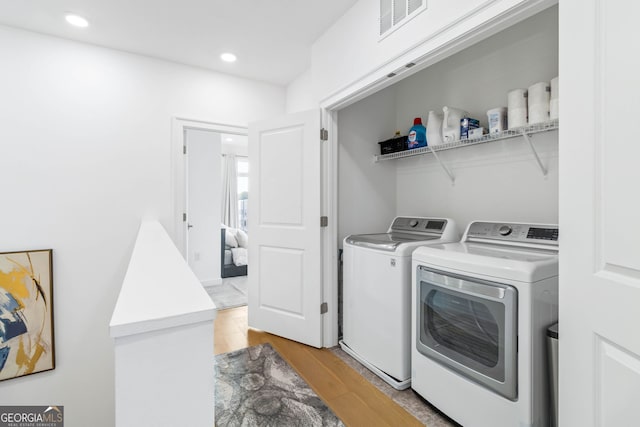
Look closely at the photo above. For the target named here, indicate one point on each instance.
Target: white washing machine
(481, 308)
(377, 294)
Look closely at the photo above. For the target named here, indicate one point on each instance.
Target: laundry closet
(403, 317)
(496, 180)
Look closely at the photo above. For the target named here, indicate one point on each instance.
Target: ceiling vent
(395, 13)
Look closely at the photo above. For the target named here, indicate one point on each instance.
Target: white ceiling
(271, 38)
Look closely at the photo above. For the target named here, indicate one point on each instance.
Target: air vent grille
(414, 5)
(385, 15)
(399, 11)
(394, 13)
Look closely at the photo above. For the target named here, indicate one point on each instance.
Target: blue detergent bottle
(417, 135)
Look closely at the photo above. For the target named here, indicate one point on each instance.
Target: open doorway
(216, 198)
(197, 163)
(233, 291)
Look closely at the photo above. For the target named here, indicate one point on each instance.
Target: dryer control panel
(416, 224)
(538, 234)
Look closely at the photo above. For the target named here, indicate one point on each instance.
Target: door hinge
(184, 217)
(324, 134)
(324, 221)
(184, 149)
(324, 307)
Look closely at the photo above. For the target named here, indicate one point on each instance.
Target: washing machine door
(470, 326)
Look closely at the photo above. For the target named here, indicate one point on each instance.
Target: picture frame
(26, 313)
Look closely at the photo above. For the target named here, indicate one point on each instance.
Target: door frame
(179, 126)
(329, 237)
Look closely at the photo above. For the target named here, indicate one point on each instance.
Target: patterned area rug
(256, 387)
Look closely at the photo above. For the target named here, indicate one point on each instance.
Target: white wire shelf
(511, 133)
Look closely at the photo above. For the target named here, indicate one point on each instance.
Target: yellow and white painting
(26, 313)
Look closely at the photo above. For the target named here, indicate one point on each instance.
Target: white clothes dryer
(481, 308)
(377, 294)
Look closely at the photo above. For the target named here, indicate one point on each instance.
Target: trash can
(552, 351)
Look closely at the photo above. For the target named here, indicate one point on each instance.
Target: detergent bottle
(451, 123)
(417, 135)
(434, 128)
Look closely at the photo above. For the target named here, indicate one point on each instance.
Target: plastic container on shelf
(451, 123)
(434, 128)
(467, 124)
(476, 133)
(393, 145)
(417, 135)
(497, 118)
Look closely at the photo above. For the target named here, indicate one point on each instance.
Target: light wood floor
(351, 397)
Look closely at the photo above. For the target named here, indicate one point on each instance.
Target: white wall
(84, 153)
(240, 146)
(494, 181)
(300, 94)
(498, 180)
(204, 201)
(366, 190)
(351, 52)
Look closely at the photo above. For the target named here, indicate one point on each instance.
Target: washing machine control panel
(415, 224)
(514, 232)
(505, 230)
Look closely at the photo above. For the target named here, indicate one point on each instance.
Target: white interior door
(203, 200)
(285, 286)
(599, 344)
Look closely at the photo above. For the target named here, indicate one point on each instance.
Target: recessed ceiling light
(229, 139)
(228, 57)
(76, 20)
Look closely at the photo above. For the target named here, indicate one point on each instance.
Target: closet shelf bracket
(444, 167)
(527, 138)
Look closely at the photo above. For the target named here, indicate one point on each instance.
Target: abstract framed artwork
(26, 313)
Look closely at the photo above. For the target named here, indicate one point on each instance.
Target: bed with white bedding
(233, 252)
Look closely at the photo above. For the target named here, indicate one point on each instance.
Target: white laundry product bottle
(434, 128)
(497, 118)
(451, 123)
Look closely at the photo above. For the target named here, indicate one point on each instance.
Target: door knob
(189, 226)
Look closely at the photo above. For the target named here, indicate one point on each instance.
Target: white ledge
(159, 290)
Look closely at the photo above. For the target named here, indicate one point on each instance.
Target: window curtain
(229, 191)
